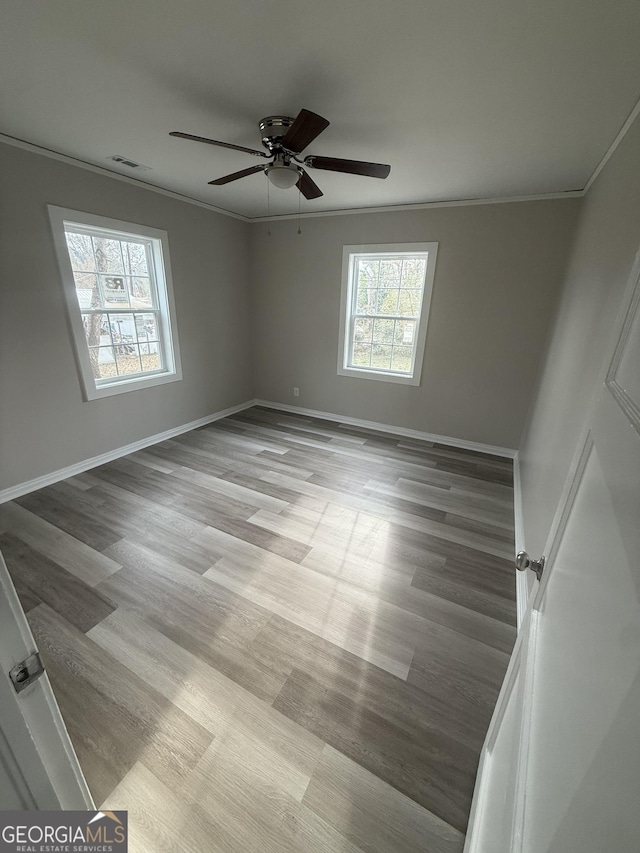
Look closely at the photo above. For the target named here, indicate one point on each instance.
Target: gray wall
(44, 423)
(607, 240)
(497, 279)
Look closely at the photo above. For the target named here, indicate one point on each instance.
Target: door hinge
(26, 672)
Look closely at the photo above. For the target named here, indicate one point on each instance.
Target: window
(117, 283)
(386, 293)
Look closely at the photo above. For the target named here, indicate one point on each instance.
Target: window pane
(114, 291)
(367, 272)
(390, 273)
(363, 329)
(409, 302)
(85, 279)
(141, 292)
(150, 360)
(137, 258)
(413, 272)
(128, 359)
(401, 359)
(404, 333)
(146, 328)
(80, 251)
(387, 301)
(87, 290)
(361, 355)
(123, 329)
(96, 329)
(383, 331)
(366, 300)
(381, 356)
(103, 362)
(108, 255)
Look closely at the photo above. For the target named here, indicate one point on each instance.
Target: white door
(38, 767)
(560, 769)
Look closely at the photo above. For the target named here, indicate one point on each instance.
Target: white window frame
(347, 310)
(158, 252)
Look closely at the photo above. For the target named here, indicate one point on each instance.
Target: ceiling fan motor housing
(273, 130)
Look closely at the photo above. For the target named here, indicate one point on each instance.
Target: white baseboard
(78, 467)
(395, 430)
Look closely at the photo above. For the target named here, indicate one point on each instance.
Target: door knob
(523, 562)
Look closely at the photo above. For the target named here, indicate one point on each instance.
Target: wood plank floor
(275, 633)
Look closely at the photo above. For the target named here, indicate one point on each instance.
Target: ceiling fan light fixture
(282, 176)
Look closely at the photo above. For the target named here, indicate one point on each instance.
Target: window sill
(96, 392)
(398, 378)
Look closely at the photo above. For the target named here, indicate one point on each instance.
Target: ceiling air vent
(124, 161)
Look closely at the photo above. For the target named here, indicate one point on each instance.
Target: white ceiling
(464, 98)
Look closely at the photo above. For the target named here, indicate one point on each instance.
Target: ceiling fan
(285, 138)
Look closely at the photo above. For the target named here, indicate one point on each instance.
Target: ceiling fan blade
(221, 144)
(304, 130)
(235, 176)
(308, 187)
(352, 167)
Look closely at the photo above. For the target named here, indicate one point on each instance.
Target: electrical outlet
(296, 392)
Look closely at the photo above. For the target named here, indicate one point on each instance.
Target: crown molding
(108, 173)
(633, 115)
(136, 182)
(428, 205)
